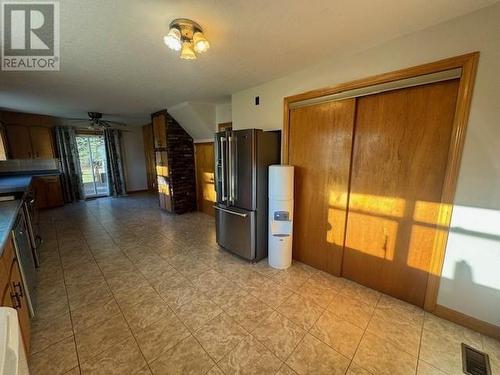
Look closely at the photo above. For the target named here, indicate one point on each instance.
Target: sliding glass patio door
(93, 163)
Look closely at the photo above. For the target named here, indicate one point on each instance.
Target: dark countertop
(8, 216)
(14, 184)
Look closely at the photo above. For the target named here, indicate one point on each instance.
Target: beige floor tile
(215, 371)
(135, 296)
(179, 294)
(341, 335)
(161, 336)
(191, 269)
(94, 313)
(74, 371)
(292, 278)
(143, 314)
(125, 281)
(198, 311)
(146, 255)
(392, 308)
(492, 348)
(314, 357)
(144, 371)
(88, 296)
(250, 357)
(381, 357)
(54, 360)
(360, 292)
(123, 358)
(272, 293)
(352, 310)
(285, 370)
(210, 280)
(453, 331)
(250, 280)
(264, 268)
(404, 334)
(248, 312)
(187, 357)
(317, 293)
(301, 311)
(48, 331)
(226, 296)
(279, 335)
(96, 339)
(424, 368)
(441, 351)
(356, 370)
(52, 303)
(220, 335)
(328, 281)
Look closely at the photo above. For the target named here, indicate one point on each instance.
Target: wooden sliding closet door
(320, 142)
(400, 155)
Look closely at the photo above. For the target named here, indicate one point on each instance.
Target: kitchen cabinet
(205, 170)
(159, 130)
(41, 142)
(18, 139)
(12, 292)
(48, 192)
(30, 142)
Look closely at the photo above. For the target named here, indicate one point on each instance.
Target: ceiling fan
(95, 122)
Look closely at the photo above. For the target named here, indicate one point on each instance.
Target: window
(92, 155)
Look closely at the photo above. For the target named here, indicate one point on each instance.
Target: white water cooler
(280, 215)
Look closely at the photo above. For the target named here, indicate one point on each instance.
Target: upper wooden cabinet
(159, 129)
(30, 142)
(41, 142)
(18, 138)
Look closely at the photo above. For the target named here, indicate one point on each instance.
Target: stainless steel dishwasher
(24, 256)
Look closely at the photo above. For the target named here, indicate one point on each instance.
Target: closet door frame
(468, 63)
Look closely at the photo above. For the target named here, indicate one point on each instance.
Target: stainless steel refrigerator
(242, 158)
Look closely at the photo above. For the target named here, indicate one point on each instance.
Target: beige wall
(134, 159)
(471, 275)
(223, 113)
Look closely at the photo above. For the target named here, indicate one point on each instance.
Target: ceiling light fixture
(186, 36)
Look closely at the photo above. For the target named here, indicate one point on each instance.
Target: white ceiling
(113, 59)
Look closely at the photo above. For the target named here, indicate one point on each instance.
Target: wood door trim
(468, 63)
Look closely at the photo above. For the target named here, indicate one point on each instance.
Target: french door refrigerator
(242, 158)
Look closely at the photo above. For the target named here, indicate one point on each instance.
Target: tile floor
(126, 289)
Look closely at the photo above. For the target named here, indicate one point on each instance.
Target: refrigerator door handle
(229, 211)
(223, 174)
(231, 169)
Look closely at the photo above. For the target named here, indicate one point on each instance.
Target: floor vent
(475, 362)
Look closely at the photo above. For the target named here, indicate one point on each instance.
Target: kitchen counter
(8, 216)
(14, 183)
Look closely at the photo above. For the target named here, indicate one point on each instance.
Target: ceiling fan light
(201, 43)
(187, 52)
(173, 39)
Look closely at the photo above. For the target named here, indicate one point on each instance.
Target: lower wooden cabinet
(48, 192)
(12, 292)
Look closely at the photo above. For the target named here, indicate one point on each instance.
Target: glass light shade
(200, 42)
(173, 39)
(187, 52)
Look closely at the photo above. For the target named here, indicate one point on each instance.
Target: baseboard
(480, 326)
(137, 191)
